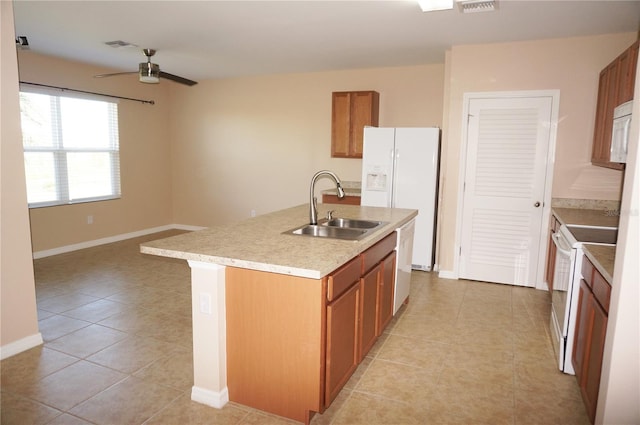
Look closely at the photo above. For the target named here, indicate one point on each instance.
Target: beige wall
(145, 161)
(569, 65)
(255, 143)
(19, 321)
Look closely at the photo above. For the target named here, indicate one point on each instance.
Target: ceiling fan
(150, 72)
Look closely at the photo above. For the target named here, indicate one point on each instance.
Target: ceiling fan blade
(113, 74)
(177, 79)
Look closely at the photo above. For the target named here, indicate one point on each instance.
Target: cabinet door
(385, 291)
(601, 116)
(627, 73)
(581, 331)
(340, 124)
(368, 309)
(617, 82)
(342, 341)
(364, 112)
(590, 385)
(350, 113)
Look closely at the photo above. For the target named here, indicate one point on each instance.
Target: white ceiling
(218, 39)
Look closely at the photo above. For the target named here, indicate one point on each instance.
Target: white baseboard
(210, 398)
(20, 345)
(111, 239)
(447, 274)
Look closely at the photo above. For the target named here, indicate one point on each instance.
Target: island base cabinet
(293, 342)
(275, 342)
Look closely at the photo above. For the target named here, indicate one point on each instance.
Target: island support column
(209, 334)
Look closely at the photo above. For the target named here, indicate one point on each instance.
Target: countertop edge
(598, 258)
(355, 249)
(231, 262)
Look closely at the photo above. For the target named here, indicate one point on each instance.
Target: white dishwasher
(404, 254)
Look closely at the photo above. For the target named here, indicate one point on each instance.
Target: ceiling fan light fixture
(149, 73)
(433, 5)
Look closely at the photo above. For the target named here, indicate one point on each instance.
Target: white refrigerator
(400, 170)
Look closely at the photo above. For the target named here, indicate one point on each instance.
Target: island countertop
(258, 243)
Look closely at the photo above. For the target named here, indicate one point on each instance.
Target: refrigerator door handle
(394, 181)
(390, 198)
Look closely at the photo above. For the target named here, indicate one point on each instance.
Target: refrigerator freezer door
(377, 166)
(416, 184)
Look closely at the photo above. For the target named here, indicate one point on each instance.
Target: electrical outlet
(205, 303)
(253, 213)
(89, 219)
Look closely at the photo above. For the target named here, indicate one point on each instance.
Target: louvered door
(508, 141)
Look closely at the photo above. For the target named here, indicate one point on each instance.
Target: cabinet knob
(537, 204)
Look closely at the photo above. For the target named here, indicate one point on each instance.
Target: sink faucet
(313, 201)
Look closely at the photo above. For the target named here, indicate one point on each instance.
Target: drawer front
(601, 290)
(343, 278)
(376, 253)
(587, 271)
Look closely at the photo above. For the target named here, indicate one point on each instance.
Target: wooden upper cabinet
(350, 113)
(615, 87)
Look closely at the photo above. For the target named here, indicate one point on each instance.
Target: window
(71, 149)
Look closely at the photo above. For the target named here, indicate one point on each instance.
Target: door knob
(537, 204)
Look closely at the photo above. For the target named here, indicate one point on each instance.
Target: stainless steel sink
(352, 223)
(338, 228)
(329, 232)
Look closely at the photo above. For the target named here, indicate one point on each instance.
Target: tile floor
(117, 332)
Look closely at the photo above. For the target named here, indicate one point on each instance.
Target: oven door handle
(561, 244)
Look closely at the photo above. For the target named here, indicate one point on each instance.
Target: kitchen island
(281, 321)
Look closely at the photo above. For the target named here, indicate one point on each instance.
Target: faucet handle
(330, 214)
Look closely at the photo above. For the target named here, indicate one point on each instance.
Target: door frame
(546, 203)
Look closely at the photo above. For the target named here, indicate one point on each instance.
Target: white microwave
(620, 132)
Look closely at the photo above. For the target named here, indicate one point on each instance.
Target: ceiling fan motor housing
(149, 72)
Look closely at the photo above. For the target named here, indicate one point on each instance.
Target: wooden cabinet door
(581, 331)
(385, 292)
(590, 333)
(601, 116)
(350, 113)
(627, 73)
(340, 124)
(607, 101)
(364, 112)
(342, 341)
(368, 309)
(616, 85)
(590, 385)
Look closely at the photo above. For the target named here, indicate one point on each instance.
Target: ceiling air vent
(22, 42)
(473, 6)
(119, 43)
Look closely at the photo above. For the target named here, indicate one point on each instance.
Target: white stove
(569, 240)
